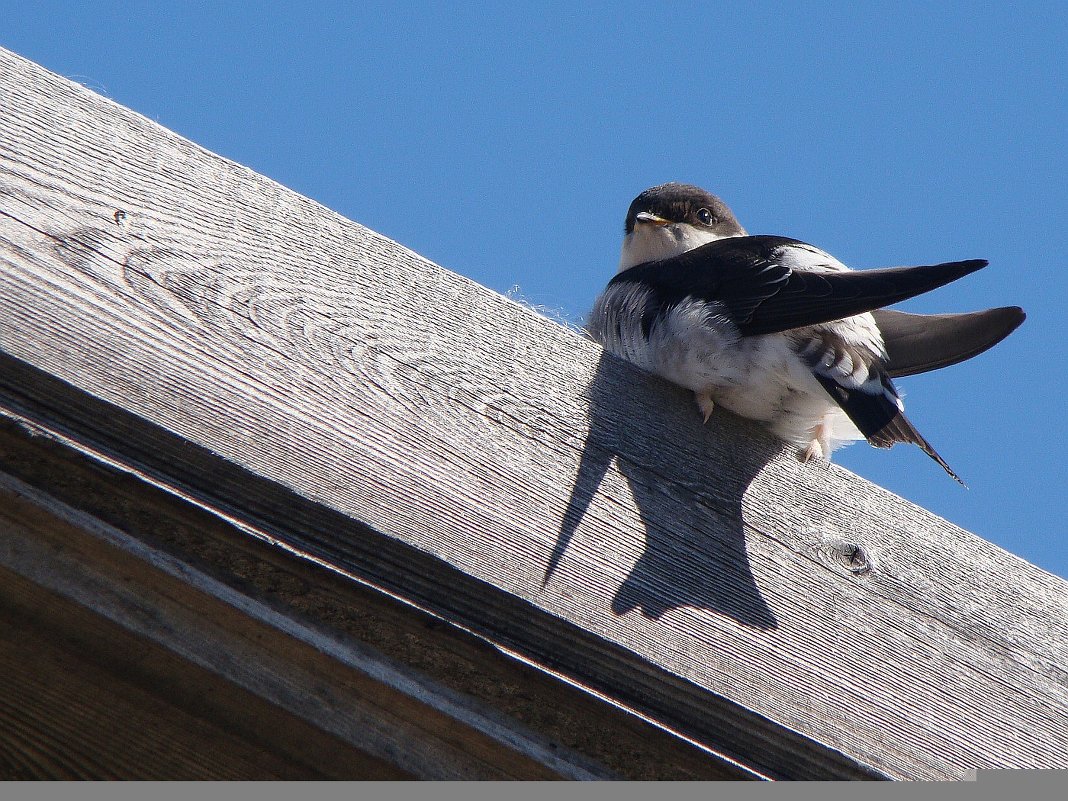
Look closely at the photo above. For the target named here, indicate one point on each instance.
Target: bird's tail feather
(899, 429)
(879, 418)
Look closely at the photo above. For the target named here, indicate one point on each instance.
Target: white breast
(695, 346)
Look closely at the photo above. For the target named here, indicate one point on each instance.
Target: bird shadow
(688, 483)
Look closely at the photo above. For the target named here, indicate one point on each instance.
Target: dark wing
(917, 343)
(755, 280)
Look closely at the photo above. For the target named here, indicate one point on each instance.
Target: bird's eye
(705, 216)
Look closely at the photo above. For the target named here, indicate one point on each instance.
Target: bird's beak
(648, 218)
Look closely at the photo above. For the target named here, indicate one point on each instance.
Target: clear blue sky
(505, 142)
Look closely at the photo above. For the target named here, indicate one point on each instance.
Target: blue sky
(505, 143)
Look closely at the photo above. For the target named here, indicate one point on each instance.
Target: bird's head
(670, 219)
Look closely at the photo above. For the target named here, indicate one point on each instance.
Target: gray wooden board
(121, 441)
(109, 540)
(311, 352)
(82, 699)
(406, 724)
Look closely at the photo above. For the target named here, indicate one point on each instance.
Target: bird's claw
(706, 405)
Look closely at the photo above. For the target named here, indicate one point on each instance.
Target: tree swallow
(777, 330)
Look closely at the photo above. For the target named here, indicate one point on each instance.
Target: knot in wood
(837, 552)
(853, 558)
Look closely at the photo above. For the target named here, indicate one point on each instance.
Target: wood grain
(394, 723)
(351, 400)
(552, 724)
(83, 699)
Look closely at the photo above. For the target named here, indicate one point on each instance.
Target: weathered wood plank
(553, 725)
(395, 724)
(318, 380)
(84, 699)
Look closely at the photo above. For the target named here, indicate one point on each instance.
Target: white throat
(657, 242)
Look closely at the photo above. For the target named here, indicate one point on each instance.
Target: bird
(777, 330)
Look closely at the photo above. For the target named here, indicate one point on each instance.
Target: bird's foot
(705, 404)
(813, 451)
(820, 446)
